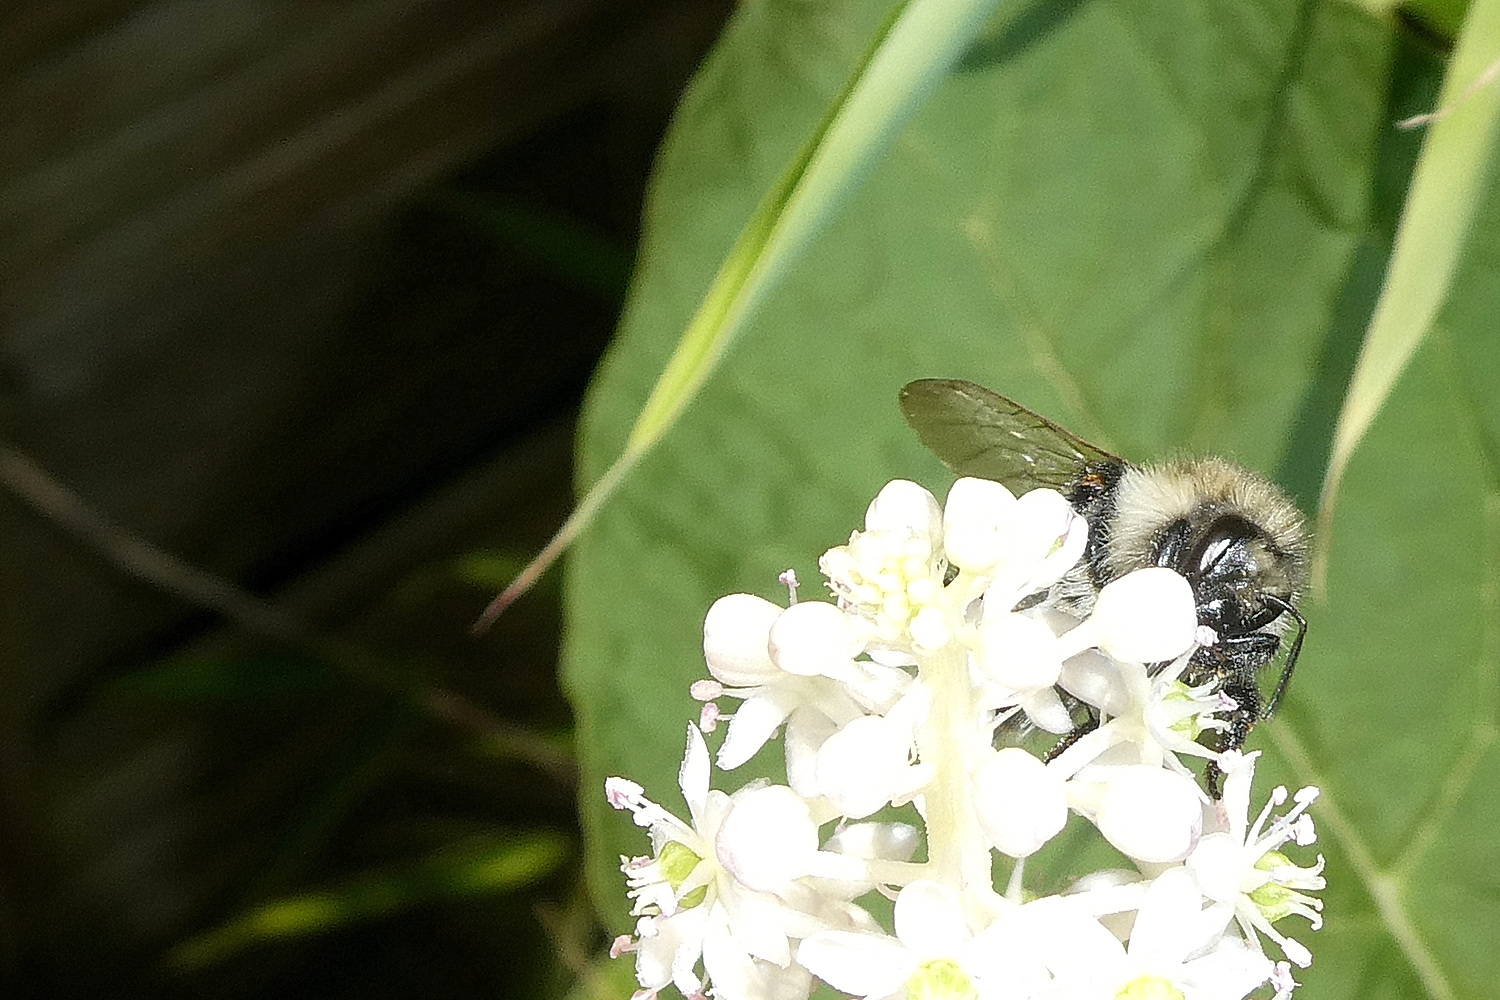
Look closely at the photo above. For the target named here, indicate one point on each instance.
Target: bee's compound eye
(1224, 545)
(1233, 563)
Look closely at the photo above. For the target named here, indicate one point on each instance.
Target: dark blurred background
(299, 298)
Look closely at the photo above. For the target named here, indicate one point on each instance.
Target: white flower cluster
(942, 629)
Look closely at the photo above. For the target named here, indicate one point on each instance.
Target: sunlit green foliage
(1164, 225)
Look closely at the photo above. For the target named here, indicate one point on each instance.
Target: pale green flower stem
(949, 740)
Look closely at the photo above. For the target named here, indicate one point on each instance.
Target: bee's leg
(1241, 687)
(1291, 656)
(1212, 776)
(1078, 732)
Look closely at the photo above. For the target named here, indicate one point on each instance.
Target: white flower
(933, 955)
(789, 663)
(895, 575)
(974, 523)
(1044, 538)
(945, 622)
(868, 763)
(1149, 814)
(891, 574)
(1175, 952)
(1018, 655)
(1240, 865)
(721, 887)
(1145, 719)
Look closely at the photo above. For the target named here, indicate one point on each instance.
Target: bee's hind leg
(1077, 733)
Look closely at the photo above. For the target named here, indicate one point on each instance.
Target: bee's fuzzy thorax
(1152, 496)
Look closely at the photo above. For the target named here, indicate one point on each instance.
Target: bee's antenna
(1292, 654)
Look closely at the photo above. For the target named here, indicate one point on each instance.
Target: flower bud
(1149, 813)
(736, 634)
(1048, 536)
(1147, 616)
(904, 506)
(1019, 653)
(974, 535)
(863, 765)
(812, 637)
(1021, 804)
(768, 839)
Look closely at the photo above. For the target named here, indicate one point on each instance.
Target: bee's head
(1241, 582)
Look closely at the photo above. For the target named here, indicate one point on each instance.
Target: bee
(1236, 538)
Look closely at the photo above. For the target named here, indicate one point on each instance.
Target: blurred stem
(913, 50)
(60, 505)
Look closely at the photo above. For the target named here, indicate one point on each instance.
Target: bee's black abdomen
(1093, 495)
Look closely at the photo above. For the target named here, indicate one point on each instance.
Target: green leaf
(1446, 17)
(496, 866)
(1394, 715)
(1161, 225)
(1445, 193)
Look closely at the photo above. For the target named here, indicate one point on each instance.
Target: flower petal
(1019, 652)
(1047, 537)
(736, 634)
(1239, 773)
(1045, 710)
(1218, 864)
(758, 922)
(1232, 969)
(1170, 923)
(692, 777)
(974, 523)
(1006, 958)
(1149, 813)
(930, 921)
(731, 970)
(863, 765)
(1095, 678)
(754, 723)
(674, 950)
(865, 965)
(806, 732)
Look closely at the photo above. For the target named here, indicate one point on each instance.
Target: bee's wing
(980, 433)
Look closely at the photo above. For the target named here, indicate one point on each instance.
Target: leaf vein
(1040, 342)
(1384, 887)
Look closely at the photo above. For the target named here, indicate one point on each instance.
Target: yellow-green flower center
(885, 577)
(940, 979)
(1188, 726)
(677, 862)
(1149, 988)
(1273, 899)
